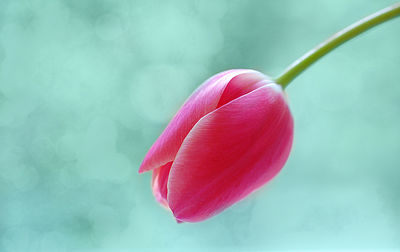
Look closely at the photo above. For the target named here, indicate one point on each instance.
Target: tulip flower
(231, 136)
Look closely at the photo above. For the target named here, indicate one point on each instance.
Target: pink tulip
(231, 136)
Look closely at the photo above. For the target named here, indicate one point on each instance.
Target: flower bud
(231, 136)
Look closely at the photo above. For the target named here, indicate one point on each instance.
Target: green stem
(336, 40)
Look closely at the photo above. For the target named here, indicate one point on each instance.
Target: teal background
(87, 86)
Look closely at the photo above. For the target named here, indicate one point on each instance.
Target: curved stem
(336, 40)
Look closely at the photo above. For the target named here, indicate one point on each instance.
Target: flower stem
(336, 40)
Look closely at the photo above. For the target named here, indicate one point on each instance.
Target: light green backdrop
(87, 86)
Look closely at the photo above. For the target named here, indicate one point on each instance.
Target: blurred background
(87, 86)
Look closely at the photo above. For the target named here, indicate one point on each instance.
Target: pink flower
(231, 136)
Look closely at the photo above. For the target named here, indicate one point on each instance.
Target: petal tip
(142, 169)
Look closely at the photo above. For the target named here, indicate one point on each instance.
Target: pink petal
(159, 183)
(238, 86)
(229, 153)
(203, 101)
